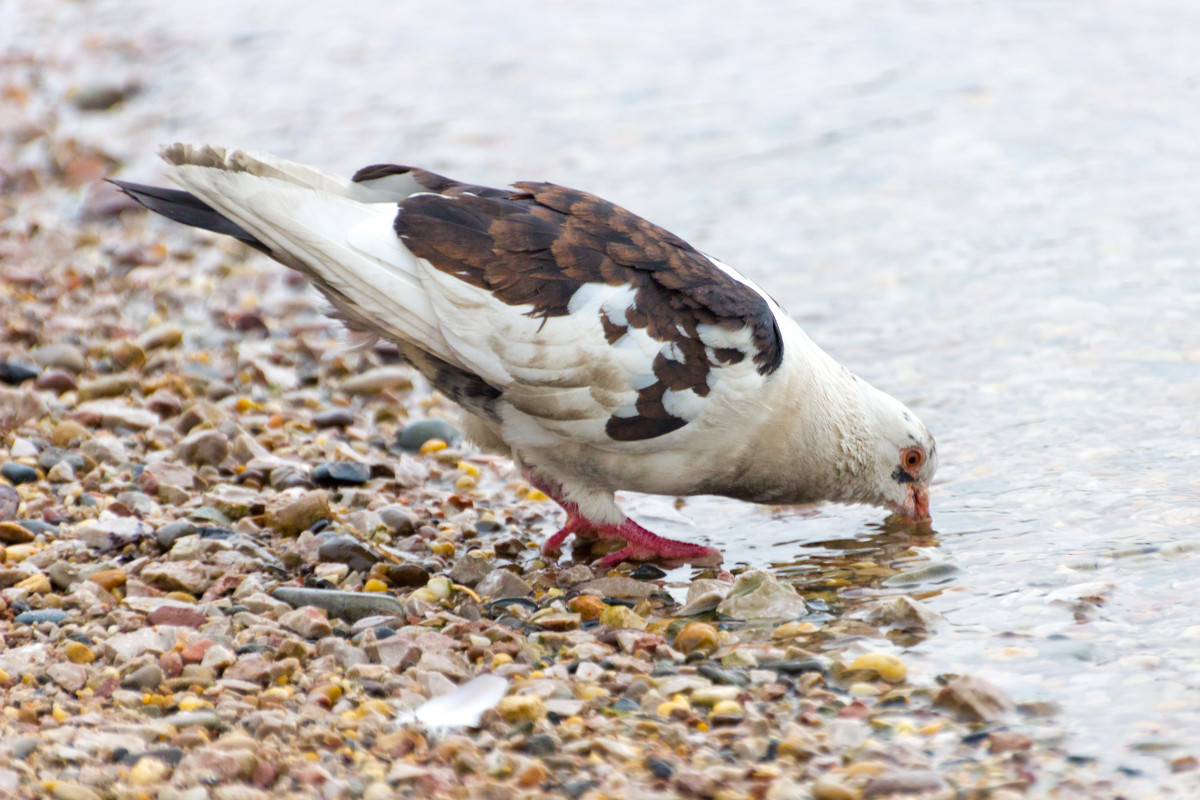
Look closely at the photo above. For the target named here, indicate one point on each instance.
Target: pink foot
(575, 524)
(642, 545)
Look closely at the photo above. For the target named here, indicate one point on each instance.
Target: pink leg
(640, 544)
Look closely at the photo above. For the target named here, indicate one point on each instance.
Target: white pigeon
(598, 350)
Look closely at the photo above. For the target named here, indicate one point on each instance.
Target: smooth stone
(797, 667)
(659, 768)
(398, 520)
(63, 356)
(349, 551)
(341, 473)
(350, 606)
(647, 572)
(696, 637)
(23, 746)
(204, 718)
(36, 526)
(54, 615)
(176, 615)
(937, 573)
(17, 474)
(406, 575)
(723, 676)
(379, 379)
(417, 433)
(169, 533)
(160, 336)
(14, 374)
(333, 418)
(308, 621)
(56, 380)
(106, 386)
(903, 782)
(758, 596)
(146, 677)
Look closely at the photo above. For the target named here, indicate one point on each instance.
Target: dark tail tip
(181, 206)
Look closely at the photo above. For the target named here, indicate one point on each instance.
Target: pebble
(621, 617)
(350, 606)
(146, 677)
(14, 374)
(203, 447)
(333, 418)
(308, 621)
(52, 615)
(349, 551)
(378, 379)
(976, 699)
(148, 772)
(292, 514)
(397, 520)
(168, 534)
(176, 615)
(503, 583)
(11, 532)
(405, 575)
(889, 667)
(16, 473)
(521, 707)
(57, 381)
(470, 570)
(826, 788)
(696, 637)
(341, 473)
(587, 606)
(63, 356)
(759, 596)
(903, 782)
(416, 434)
(106, 386)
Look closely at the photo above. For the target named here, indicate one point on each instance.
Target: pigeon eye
(912, 458)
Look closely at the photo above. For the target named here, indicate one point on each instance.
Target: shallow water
(987, 209)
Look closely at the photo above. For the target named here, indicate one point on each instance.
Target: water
(987, 209)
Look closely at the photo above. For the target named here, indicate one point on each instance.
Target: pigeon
(598, 350)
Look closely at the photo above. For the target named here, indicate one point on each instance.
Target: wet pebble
(418, 433)
(723, 676)
(696, 637)
(341, 473)
(17, 474)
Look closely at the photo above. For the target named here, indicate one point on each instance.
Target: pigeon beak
(920, 495)
(916, 507)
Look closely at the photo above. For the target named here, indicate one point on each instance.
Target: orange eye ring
(912, 459)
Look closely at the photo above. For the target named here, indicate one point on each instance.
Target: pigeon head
(903, 458)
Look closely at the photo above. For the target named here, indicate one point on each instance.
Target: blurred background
(987, 209)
